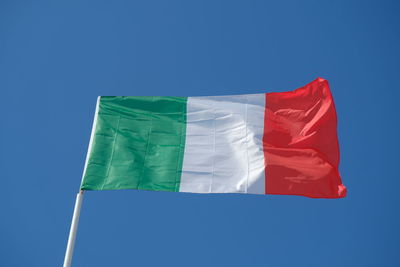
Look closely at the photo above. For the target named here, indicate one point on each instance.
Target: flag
(273, 143)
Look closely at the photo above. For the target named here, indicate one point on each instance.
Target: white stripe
(223, 150)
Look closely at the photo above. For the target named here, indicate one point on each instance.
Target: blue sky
(56, 57)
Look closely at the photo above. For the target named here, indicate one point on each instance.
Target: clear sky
(56, 57)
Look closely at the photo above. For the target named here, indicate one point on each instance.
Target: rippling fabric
(274, 143)
(224, 149)
(301, 144)
(138, 143)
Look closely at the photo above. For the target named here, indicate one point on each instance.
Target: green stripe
(138, 143)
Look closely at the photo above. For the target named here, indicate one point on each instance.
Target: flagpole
(79, 198)
(73, 230)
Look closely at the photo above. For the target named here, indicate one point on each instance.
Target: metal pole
(74, 228)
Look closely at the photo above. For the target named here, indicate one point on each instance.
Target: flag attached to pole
(273, 143)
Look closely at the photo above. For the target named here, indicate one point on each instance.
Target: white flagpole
(74, 228)
(79, 199)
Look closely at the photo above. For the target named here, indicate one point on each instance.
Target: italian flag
(274, 143)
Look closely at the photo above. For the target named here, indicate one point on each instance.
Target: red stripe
(301, 147)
